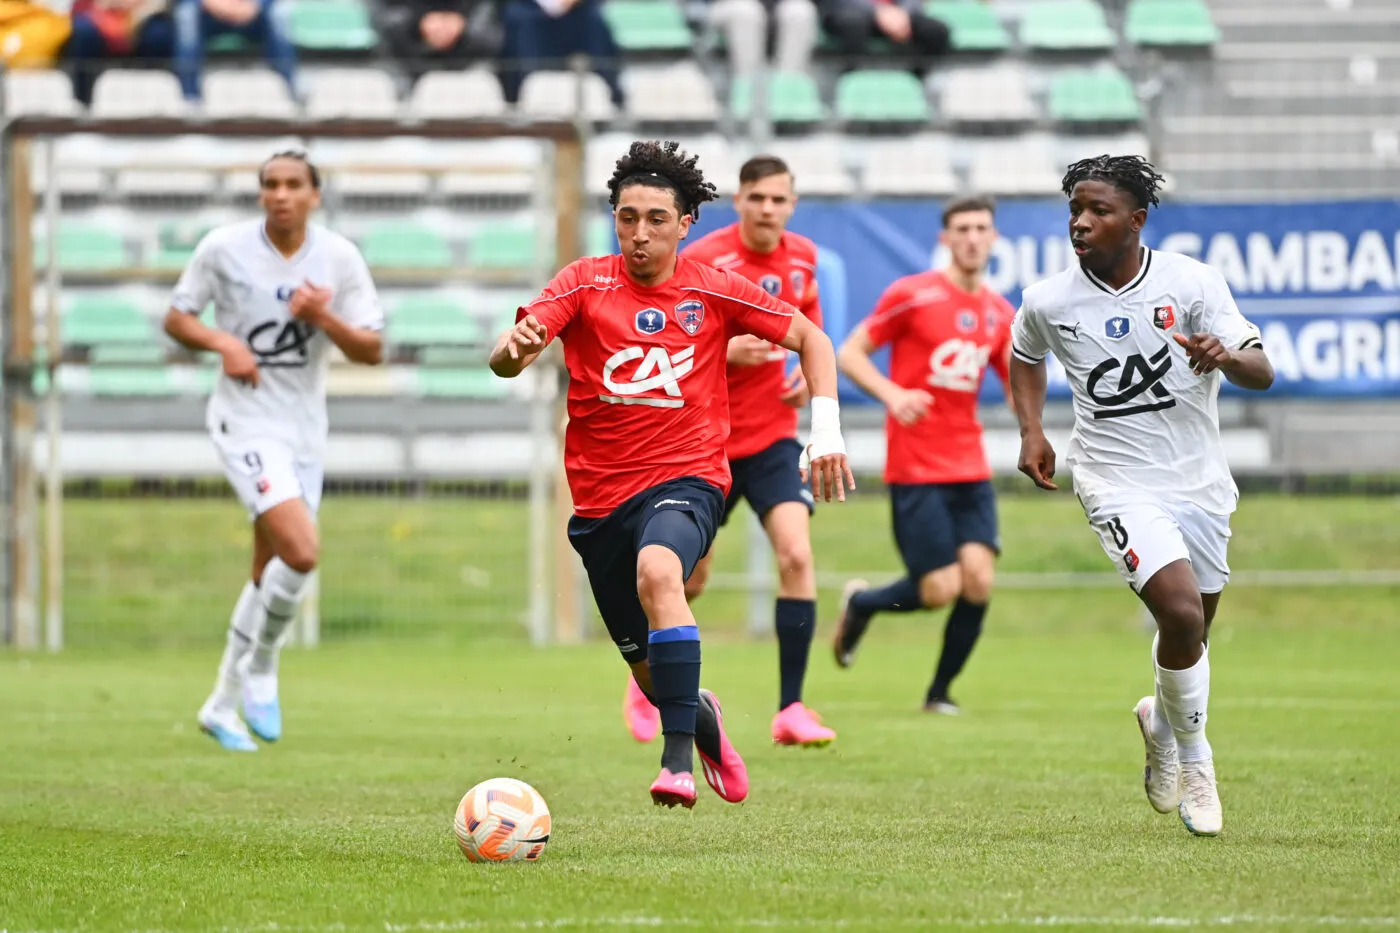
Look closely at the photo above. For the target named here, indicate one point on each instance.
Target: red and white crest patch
(690, 314)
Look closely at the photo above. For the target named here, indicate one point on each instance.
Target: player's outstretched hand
(240, 365)
(795, 391)
(526, 338)
(1204, 353)
(1038, 459)
(830, 473)
(910, 406)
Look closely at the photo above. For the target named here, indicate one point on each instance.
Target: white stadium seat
(556, 95)
(255, 93)
(915, 166)
(351, 93)
(818, 163)
(121, 95)
(1025, 166)
(457, 95)
(39, 92)
(999, 94)
(673, 94)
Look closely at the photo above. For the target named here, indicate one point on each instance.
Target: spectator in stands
(138, 31)
(543, 34)
(854, 23)
(262, 22)
(425, 35)
(745, 24)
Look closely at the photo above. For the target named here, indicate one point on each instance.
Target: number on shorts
(1119, 533)
(253, 460)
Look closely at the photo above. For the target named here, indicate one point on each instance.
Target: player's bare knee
(658, 577)
(977, 583)
(940, 587)
(301, 555)
(1181, 620)
(794, 560)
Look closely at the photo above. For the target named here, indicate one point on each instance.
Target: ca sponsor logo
(658, 371)
(957, 365)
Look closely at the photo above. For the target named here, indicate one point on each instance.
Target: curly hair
(1131, 174)
(663, 165)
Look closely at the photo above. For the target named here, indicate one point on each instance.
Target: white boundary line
(1076, 581)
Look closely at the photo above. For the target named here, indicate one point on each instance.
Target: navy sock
(796, 622)
(673, 655)
(959, 636)
(900, 596)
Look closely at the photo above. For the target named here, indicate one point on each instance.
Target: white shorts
(264, 472)
(1141, 534)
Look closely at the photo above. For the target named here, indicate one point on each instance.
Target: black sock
(707, 730)
(796, 622)
(959, 636)
(900, 596)
(673, 655)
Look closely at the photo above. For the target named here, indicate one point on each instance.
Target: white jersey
(1142, 419)
(249, 281)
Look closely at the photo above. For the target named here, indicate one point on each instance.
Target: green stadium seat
(331, 25)
(130, 380)
(423, 320)
(881, 97)
(1066, 25)
(1098, 95)
(84, 248)
(648, 25)
(101, 320)
(405, 246)
(504, 246)
(149, 353)
(974, 25)
(175, 246)
(1170, 23)
(793, 97)
(450, 373)
(601, 238)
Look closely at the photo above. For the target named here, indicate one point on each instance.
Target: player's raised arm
(1028, 383)
(543, 319)
(1223, 339)
(193, 292)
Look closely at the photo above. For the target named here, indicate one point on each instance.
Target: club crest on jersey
(650, 321)
(284, 292)
(1116, 328)
(967, 322)
(798, 282)
(990, 322)
(1163, 318)
(771, 284)
(690, 314)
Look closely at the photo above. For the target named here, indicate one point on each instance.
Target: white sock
(1159, 727)
(244, 626)
(281, 595)
(1184, 697)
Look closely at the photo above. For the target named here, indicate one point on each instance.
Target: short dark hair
(1130, 174)
(761, 167)
(663, 165)
(296, 155)
(967, 203)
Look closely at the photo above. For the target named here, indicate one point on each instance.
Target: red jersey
(942, 340)
(757, 418)
(647, 399)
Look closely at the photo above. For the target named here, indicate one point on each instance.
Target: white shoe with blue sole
(224, 727)
(261, 708)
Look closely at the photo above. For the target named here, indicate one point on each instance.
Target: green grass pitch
(115, 814)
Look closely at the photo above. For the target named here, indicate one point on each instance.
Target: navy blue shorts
(609, 547)
(768, 478)
(933, 520)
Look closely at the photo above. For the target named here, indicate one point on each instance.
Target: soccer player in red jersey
(945, 328)
(645, 336)
(763, 449)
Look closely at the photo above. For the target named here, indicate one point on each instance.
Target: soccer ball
(502, 820)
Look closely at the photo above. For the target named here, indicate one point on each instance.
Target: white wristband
(824, 437)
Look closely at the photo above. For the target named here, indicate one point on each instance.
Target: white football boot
(1161, 776)
(1200, 801)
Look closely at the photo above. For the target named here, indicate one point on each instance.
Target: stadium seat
(165, 183)
(121, 95)
(147, 353)
(447, 374)
(601, 239)
(457, 95)
(504, 246)
(974, 25)
(378, 185)
(249, 93)
(672, 95)
(39, 92)
(84, 247)
(427, 319)
(648, 25)
(919, 165)
(130, 380)
(1170, 23)
(1066, 25)
(556, 95)
(818, 163)
(792, 98)
(331, 25)
(175, 245)
(1024, 166)
(351, 93)
(98, 320)
(881, 98)
(1097, 95)
(985, 95)
(405, 246)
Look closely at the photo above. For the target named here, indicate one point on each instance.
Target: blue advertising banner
(1321, 280)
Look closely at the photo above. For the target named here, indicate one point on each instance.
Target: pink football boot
(669, 790)
(643, 719)
(729, 777)
(798, 725)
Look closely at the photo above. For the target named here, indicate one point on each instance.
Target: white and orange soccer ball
(502, 820)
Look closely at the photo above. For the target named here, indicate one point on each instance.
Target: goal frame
(555, 606)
